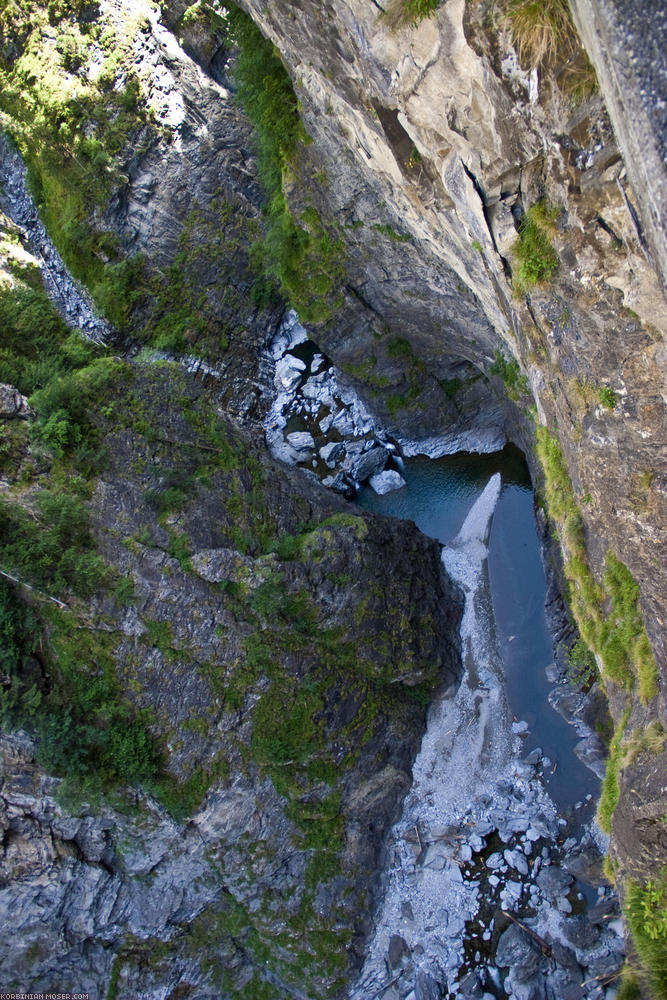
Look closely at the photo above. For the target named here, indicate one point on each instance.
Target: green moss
(389, 231)
(399, 347)
(159, 634)
(608, 397)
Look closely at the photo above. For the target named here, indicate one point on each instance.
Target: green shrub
(415, 11)
(54, 549)
(582, 668)
(18, 630)
(303, 262)
(608, 397)
(399, 347)
(537, 259)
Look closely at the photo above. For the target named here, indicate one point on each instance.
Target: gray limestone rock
(398, 950)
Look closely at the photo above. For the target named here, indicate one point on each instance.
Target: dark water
(438, 496)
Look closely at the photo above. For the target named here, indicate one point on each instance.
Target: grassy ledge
(607, 612)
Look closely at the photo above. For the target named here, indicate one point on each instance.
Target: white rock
(301, 440)
(385, 482)
(289, 371)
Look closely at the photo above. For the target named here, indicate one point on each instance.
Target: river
(491, 882)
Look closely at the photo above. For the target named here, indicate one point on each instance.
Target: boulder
(385, 482)
(289, 371)
(301, 441)
(370, 463)
(332, 452)
(516, 951)
(13, 404)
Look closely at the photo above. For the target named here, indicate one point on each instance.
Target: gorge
(215, 672)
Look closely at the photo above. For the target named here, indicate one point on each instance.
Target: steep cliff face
(279, 649)
(446, 139)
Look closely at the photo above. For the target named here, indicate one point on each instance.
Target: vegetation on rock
(646, 913)
(415, 11)
(509, 371)
(607, 613)
(536, 257)
(300, 258)
(71, 126)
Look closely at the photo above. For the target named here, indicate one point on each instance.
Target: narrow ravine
(492, 883)
(70, 298)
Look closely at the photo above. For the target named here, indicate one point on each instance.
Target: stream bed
(492, 883)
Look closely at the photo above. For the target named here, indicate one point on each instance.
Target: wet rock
(385, 482)
(343, 422)
(470, 988)
(532, 990)
(369, 464)
(585, 864)
(289, 371)
(604, 967)
(580, 932)
(301, 441)
(515, 859)
(332, 452)
(510, 895)
(601, 912)
(592, 752)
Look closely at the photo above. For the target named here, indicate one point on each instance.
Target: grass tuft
(542, 30)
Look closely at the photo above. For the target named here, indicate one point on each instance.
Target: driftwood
(545, 947)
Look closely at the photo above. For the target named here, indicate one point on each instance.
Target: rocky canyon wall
(428, 143)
